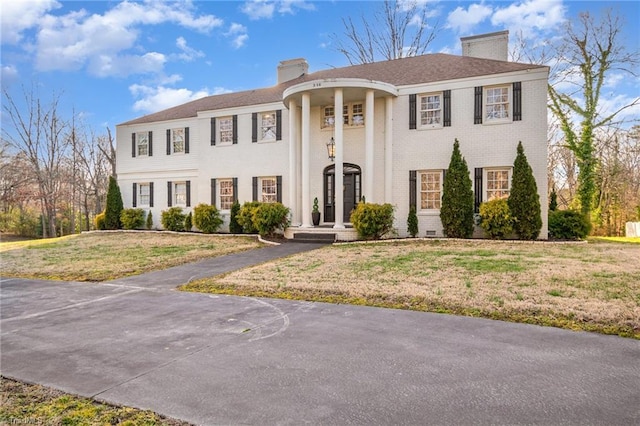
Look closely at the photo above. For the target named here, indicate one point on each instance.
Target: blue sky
(114, 61)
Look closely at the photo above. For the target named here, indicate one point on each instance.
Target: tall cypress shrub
(114, 205)
(456, 212)
(524, 201)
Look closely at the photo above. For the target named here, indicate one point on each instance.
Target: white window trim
(485, 118)
(220, 194)
(441, 109)
(350, 114)
(261, 189)
(485, 180)
(138, 137)
(139, 194)
(420, 210)
(219, 130)
(175, 194)
(184, 141)
(261, 127)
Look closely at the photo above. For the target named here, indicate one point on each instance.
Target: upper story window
(431, 110)
(225, 126)
(352, 115)
(269, 190)
(225, 186)
(142, 143)
(497, 103)
(177, 141)
(498, 183)
(430, 190)
(268, 126)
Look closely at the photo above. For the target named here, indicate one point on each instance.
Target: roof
(399, 72)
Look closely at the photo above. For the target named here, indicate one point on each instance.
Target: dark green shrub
(412, 222)
(149, 223)
(173, 219)
(269, 217)
(132, 218)
(568, 225)
(496, 219)
(207, 218)
(188, 222)
(553, 201)
(114, 205)
(372, 221)
(524, 201)
(100, 223)
(245, 217)
(456, 212)
(234, 226)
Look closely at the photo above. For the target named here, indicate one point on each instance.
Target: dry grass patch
(102, 256)
(593, 286)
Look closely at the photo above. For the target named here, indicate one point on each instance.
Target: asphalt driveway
(234, 360)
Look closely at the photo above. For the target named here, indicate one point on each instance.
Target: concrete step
(314, 237)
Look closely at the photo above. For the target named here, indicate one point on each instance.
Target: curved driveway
(214, 359)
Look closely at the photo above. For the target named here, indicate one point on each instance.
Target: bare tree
(399, 30)
(108, 149)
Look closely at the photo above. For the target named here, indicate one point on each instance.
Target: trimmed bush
(149, 223)
(524, 201)
(372, 221)
(269, 217)
(114, 205)
(412, 222)
(132, 218)
(456, 212)
(568, 225)
(100, 222)
(496, 218)
(245, 217)
(173, 219)
(234, 226)
(207, 218)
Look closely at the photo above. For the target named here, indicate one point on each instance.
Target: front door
(351, 191)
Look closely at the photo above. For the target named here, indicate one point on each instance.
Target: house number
(317, 84)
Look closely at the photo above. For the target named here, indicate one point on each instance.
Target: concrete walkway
(212, 359)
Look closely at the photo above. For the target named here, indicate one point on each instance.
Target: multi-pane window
(144, 194)
(430, 190)
(142, 143)
(497, 184)
(329, 117)
(268, 126)
(225, 125)
(497, 103)
(431, 110)
(357, 115)
(269, 190)
(225, 186)
(177, 140)
(352, 115)
(180, 193)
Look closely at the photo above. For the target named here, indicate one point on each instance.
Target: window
(497, 100)
(142, 143)
(144, 194)
(356, 115)
(329, 117)
(180, 194)
(352, 115)
(498, 182)
(431, 110)
(268, 126)
(269, 190)
(225, 186)
(226, 130)
(430, 190)
(177, 140)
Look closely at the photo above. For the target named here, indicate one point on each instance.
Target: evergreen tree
(114, 205)
(553, 201)
(456, 212)
(524, 201)
(234, 226)
(188, 222)
(149, 223)
(412, 222)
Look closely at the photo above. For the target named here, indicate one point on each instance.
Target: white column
(388, 154)
(293, 177)
(368, 148)
(306, 160)
(339, 176)
(298, 204)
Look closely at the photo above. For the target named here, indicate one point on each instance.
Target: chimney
(487, 46)
(292, 68)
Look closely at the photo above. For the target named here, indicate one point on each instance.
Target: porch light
(331, 149)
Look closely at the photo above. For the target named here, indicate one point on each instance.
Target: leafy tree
(114, 205)
(412, 222)
(456, 212)
(524, 201)
(234, 226)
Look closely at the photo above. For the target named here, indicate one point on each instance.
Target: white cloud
(18, 16)
(238, 35)
(287, 6)
(530, 17)
(463, 20)
(264, 9)
(124, 65)
(9, 75)
(153, 99)
(188, 53)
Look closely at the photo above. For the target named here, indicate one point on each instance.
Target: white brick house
(393, 143)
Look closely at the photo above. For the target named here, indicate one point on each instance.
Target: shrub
(100, 222)
(456, 212)
(524, 201)
(268, 217)
(234, 226)
(412, 222)
(553, 201)
(173, 219)
(114, 205)
(188, 222)
(245, 217)
(496, 218)
(568, 225)
(207, 218)
(372, 221)
(132, 218)
(149, 223)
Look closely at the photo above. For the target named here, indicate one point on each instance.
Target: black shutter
(254, 127)
(186, 140)
(150, 194)
(446, 101)
(279, 189)
(477, 106)
(168, 141)
(235, 129)
(213, 192)
(169, 198)
(412, 112)
(255, 188)
(478, 189)
(188, 185)
(412, 188)
(213, 131)
(235, 189)
(133, 144)
(279, 125)
(150, 144)
(517, 101)
(135, 195)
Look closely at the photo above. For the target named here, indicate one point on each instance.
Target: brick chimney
(487, 46)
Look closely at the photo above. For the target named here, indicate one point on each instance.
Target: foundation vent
(431, 233)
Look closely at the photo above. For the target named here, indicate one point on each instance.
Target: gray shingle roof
(399, 72)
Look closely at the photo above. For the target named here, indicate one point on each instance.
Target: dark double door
(351, 191)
